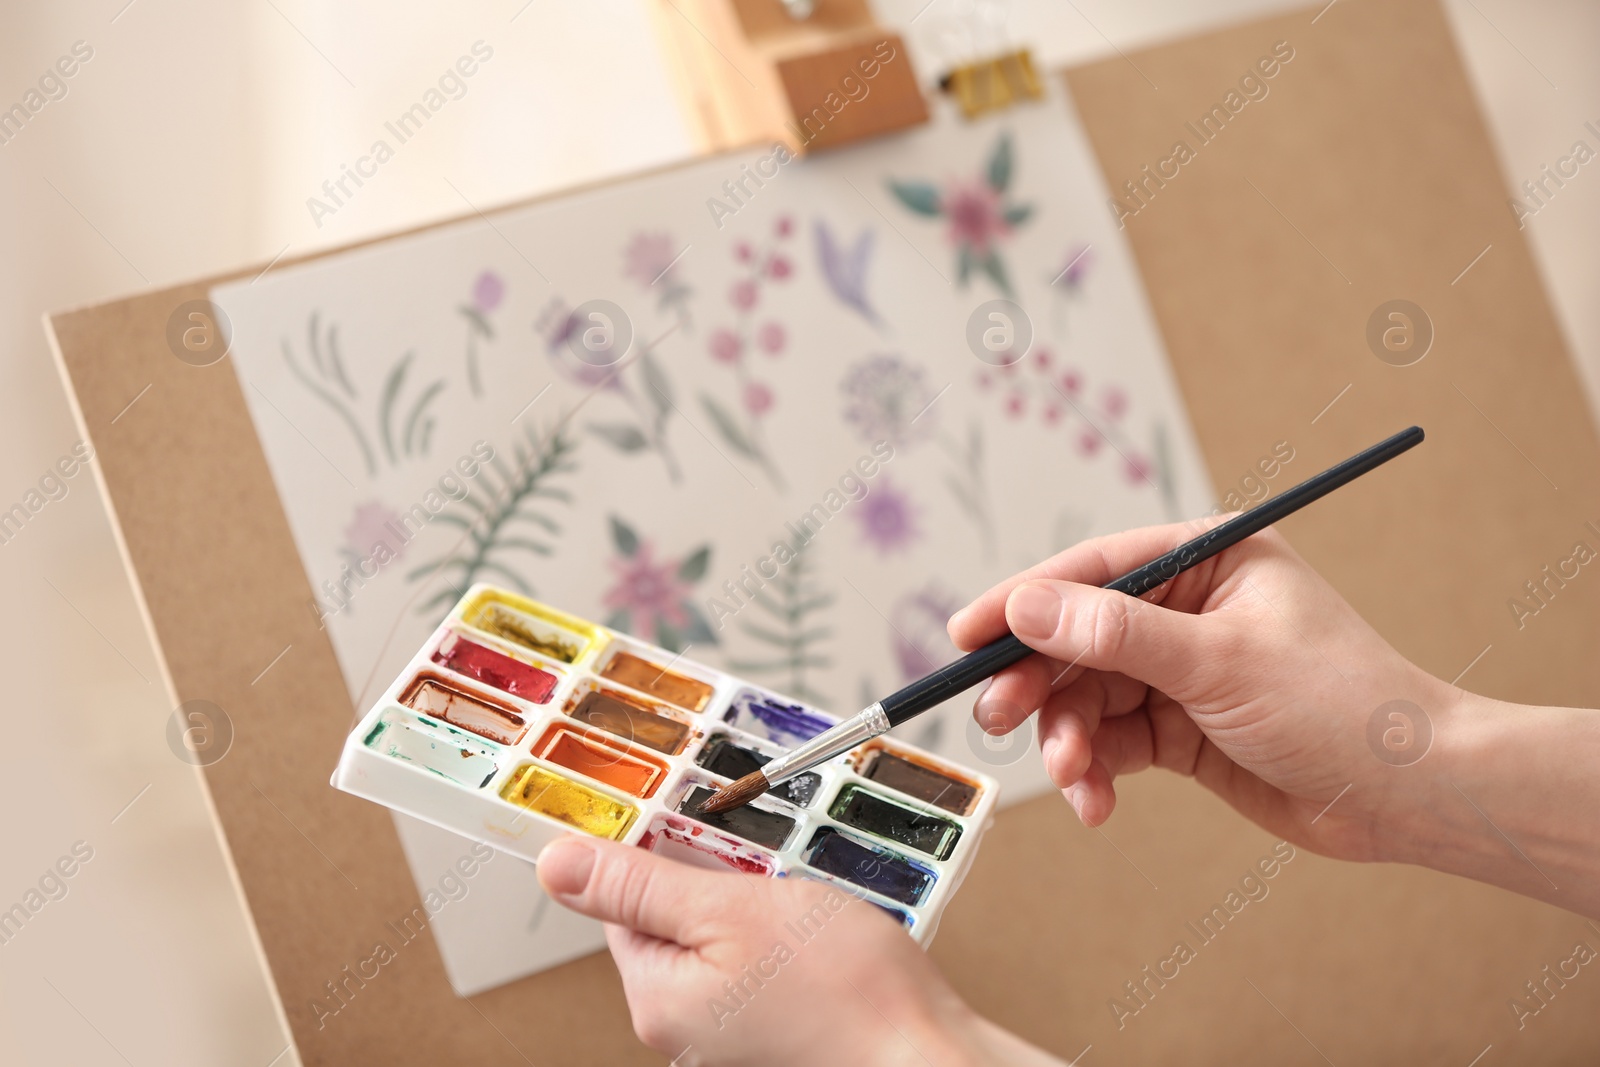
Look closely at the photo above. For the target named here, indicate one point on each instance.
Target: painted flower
(784, 226)
(372, 525)
(487, 292)
(647, 590)
(771, 337)
(757, 398)
(743, 294)
(779, 267)
(652, 260)
(1088, 442)
(653, 599)
(978, 213)
(888, 518)
(743, 252)
(886, 399)
(557, 325)
(917, 630)
(1070, 277)
(1115, 402)
(648, 256)
(975, 216)
(726, 346)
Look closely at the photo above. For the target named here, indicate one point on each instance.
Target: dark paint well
(882, 817)
(628, 720)
(869, 866)
(923, 783)
(734, 761)
(766, 828)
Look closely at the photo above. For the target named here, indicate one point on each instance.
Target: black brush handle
(996, 656)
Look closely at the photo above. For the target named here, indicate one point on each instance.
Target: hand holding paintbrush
(935, 688)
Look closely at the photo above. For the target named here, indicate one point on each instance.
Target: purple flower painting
(978, 212)
(888, 518)
(845, 270)
(653, 599)
(488, 289)
(886, 398)
(655, 263)
(641, 384)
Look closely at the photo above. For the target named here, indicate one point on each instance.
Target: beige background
(188, 145)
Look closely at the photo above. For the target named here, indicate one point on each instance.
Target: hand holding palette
(516, 723)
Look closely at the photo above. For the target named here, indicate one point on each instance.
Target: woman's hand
(1248, 672)
(723, 968)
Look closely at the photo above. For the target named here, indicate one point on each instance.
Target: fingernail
(1033, 611)
(1047, 752)
(1074, 795)
(565, 866)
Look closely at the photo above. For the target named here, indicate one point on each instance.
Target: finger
(1093, 562)
(635, 889)
(1015, 693)
(1072, 714)
(1109, 631)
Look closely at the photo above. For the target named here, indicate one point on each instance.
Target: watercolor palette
(516, 723)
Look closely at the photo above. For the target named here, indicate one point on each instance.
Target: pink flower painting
(753, 329)
(655, 263)
(653, 599)
(979, 214)
(1039, 387)
(488, 289)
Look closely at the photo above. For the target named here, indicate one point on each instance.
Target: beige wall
(189, 143)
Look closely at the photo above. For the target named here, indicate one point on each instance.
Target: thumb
(633, 888)
(1109, 631)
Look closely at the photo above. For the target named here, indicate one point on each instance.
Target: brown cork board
(1368, 154)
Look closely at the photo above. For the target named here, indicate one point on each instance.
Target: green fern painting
(504, 520)
(791, 628)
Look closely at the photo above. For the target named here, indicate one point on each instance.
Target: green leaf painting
(402, 421)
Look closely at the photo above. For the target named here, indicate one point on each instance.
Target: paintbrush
(994, 657)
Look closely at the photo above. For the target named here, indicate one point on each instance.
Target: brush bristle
(736, 795)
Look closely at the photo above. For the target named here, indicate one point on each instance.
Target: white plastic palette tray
(517, 723)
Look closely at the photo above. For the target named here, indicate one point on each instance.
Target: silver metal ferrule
(828, 744)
